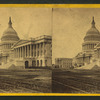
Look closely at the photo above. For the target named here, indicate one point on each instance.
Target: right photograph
(76, 50)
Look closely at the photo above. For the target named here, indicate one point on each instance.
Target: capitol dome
(10, 34)
(92, 34)
(91, 39)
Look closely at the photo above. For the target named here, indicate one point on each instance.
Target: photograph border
(50, 6)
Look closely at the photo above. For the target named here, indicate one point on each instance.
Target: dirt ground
(25, 81)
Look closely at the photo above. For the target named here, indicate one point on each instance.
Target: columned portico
(33, 53)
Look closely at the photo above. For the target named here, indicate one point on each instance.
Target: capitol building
(90, 54)
(20, 53)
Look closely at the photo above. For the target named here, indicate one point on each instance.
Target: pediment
(20, 42)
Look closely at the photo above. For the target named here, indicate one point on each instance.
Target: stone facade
(65, 63)
(90, 50)
(35, 52)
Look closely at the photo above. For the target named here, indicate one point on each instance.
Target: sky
(69, 28)
(28, 22)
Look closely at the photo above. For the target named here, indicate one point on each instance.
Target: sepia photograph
(76, 50)
(49, 50)
(25, 50)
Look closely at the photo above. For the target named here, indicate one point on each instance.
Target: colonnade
(31, 50)
(88, 46)
(6, 46)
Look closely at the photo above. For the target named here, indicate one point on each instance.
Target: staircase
(7, 65)
(91, 66)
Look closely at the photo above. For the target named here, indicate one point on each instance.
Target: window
(34, 53)
(41, 62)
(44, 51)
(38, 53)
(37, 62)
(41, 52)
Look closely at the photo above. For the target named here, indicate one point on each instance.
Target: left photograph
(25, 50)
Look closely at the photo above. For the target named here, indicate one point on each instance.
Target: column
(18, 53)
(43, 48)
(33, 50)
(22, 52)
(40, 49)
(25, 51)
(36, 49)
(30, 50)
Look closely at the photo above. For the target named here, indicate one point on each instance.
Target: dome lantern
(9, 23)
(93, 22)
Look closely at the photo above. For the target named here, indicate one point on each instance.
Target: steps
(91, 66)
(7, 65)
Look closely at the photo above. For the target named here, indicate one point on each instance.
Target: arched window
(26, 64)
(41, 62)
